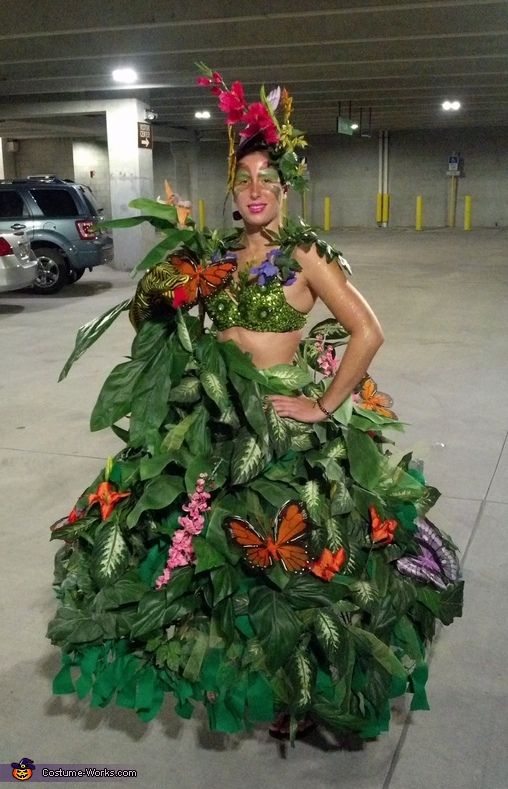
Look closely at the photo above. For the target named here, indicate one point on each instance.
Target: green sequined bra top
(256, 301)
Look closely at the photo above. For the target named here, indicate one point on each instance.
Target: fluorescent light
(125, 75)
(451, 105)
(203, 114)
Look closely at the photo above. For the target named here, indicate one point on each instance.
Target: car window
(12, 204)
(55, 202)
(93, 210)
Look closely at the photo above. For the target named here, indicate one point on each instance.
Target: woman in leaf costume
(252, 548)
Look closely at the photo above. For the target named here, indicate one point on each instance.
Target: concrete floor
(441, 297)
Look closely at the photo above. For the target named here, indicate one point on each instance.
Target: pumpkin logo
(23, 770)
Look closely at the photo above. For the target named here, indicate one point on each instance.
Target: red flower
(107, 498)
(381, 531)
(259, 121)
(179, 297)
(328, 564)
(211, 82)
(74, 515)
(233, 102)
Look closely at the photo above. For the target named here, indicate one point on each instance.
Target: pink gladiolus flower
(233, 102)
(180, 552)
(258, 121)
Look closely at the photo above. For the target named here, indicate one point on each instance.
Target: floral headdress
(259, 120)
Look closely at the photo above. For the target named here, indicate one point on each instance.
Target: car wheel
(51, 271)
(75, 274)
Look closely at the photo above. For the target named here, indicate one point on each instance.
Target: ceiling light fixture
(150, 115)
(202, 114)
(451, 105)
(354, 126)
(125, 75)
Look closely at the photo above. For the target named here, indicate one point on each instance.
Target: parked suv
(59, 219)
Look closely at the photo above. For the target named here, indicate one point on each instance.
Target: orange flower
(381, 531)
(328, 564)
(107, 498)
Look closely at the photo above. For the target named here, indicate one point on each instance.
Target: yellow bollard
(201, 213)
(328, 213)
(379, 208)
(386, 208)
(468, 212)
(419, 212)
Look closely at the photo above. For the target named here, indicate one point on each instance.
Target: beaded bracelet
(323, 409)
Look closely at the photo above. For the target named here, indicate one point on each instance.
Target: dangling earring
(236, 215)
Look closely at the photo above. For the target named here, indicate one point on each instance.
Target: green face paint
(268, 177)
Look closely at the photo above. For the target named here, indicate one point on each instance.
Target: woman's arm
(328, 282)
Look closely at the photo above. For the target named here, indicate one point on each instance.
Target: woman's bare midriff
(268, 348)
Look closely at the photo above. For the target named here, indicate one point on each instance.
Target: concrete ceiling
(397, 60)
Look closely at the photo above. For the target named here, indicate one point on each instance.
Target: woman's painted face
(257, 190)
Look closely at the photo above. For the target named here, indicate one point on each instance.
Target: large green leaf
(275, 623)
(275, 493)
(183, 332)
(247, 459)
(110, 555)
(156, 606)
(378, 651)
(90, 333)
(152, 466)
(128, 589)
(252, 405)
(366, 462)
(198, 437)
(115, 397)
(72, 626)
(207, 557)
(301, 674)
(149, 403)
(158, 493)
(306, 591)
(224, 582)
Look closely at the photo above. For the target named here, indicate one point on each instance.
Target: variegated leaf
(247, 459)
(336, 449)
(110, 555)
(301, 674)
(335, 538)
(183, 332)
(187, 391)
(364, 593)
(288, 374)
(279, 430)
(328, 633)
(229, 417)
(313, 500)
(215, 389)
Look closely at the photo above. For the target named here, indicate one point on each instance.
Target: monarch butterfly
(177, 282)
(288, 544)
(372, 400)
(201, 281)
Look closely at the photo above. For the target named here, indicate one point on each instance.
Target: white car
(18, 263)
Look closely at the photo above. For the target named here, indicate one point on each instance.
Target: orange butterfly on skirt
(372, 400)
(195, 281)
(287, 546)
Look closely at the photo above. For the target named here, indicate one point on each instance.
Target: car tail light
(5, 247)
(86, 229)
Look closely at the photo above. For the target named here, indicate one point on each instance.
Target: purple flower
(222, 257)
(264, 271)
(290, 279)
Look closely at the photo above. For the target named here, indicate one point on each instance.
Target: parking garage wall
(91, 167)
(346, 169)
(42, 155)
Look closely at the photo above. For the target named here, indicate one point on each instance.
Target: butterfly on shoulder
(372, 400)
(288, 545)
(435, 563)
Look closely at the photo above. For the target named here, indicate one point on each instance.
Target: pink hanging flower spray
(180, 552)
(328, 362)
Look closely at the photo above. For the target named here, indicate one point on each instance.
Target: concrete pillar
(186, 176)
(131, 176)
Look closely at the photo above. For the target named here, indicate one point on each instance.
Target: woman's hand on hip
(301, 408)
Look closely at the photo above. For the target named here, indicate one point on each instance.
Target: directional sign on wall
(145, 136)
